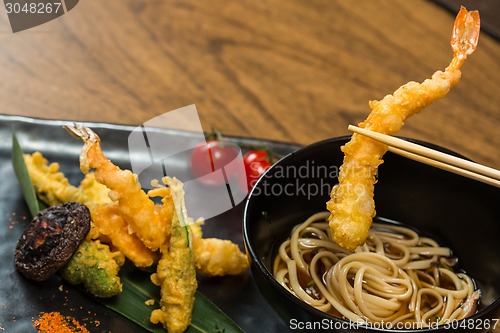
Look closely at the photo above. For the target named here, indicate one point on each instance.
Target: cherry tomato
(213, 155)
(256, 163)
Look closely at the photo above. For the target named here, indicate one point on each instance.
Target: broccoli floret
(96, 267)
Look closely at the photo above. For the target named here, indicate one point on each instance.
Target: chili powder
(55, 322)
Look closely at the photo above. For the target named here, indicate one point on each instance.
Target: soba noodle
(396, 276)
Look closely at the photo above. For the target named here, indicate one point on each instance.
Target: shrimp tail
(89, 137)
(465, 36)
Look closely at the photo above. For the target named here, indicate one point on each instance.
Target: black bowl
(457, 212)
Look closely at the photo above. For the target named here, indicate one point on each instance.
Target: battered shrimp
(217, 257)
(135, 205)
(352, 205)
(110, 224)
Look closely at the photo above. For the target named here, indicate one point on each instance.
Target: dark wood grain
(297, 71)
(489, 13)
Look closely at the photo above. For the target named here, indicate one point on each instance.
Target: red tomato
(256, 163)
(211, 156)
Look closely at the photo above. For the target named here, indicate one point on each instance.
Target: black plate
(21, 301)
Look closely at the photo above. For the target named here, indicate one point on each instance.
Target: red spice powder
(55, 322)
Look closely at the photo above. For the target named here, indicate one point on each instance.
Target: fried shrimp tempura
(108, 221)
(135, 205)
(217, 257)
(352, 206)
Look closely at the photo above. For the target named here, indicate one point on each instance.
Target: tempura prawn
(113, 228)
(352, 205)
(217, 257)
(144, 219)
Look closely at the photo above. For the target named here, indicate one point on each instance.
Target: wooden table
(297, 71)
(288, 70)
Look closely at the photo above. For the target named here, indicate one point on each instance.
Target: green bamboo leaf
(131, 303)
(137, 289)
(27, 188)
(219, 322)
(137, 285)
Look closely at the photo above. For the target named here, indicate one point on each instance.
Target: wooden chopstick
(434, 158)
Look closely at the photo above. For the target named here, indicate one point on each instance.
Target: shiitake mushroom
(51, 239)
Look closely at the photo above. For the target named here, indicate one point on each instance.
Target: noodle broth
(397, 276)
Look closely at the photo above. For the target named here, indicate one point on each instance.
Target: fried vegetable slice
(53, 188)
(135, 205)
(96, 267)
(51, 239)
(176, 274)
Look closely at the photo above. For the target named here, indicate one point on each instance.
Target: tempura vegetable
(176, 273)
(53, 187)
(352, 205)
(96, 267)
(50, 240)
